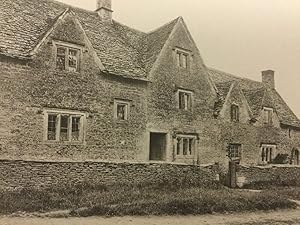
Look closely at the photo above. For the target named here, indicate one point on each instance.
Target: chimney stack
(104, 10)
(268, 78)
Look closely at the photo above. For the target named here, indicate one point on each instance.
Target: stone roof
(122, 50)
(257, 95)
(223, 90)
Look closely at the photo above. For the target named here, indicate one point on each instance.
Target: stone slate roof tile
(122, 50)
(155, 41)
(222, 91)
(257, 96)
(255, 100)
(22, 24)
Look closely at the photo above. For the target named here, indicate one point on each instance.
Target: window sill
(67, 71)
(184, 156)
(64, 143)
(121, 121)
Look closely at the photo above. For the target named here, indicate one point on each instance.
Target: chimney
(268, 78)
(104, 10)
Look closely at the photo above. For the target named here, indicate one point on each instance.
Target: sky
(242, 37)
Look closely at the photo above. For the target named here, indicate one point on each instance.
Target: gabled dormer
(232, 105)
(180, 85)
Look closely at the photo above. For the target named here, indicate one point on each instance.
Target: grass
(288, 189)
(143, 199)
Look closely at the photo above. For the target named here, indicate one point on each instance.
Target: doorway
(158, 144)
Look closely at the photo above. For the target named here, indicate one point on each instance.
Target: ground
(281, 217)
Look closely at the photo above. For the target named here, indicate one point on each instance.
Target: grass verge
(150, 199)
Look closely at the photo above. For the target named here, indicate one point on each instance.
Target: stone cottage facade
(78, 85)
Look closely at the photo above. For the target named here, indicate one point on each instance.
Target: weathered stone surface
(37, 174)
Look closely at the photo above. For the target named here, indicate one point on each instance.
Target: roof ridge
(164, 25)
(70, 6)
(235, 76)
(131, 28)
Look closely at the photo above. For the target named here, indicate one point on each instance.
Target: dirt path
(283, 217)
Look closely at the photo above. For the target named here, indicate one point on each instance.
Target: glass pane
(191, 141)
(178, 58)
(64, 125)
(61, 62)
(178, 146)
(73, 54)
(185, 146)
(121, 112)
(270, 114)
(51, 136)
(186, 101)
(181, 100)
(184, 61)
(75, 128)
(263, 154)
(61, 51)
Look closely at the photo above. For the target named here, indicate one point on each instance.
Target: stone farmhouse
(78, 85)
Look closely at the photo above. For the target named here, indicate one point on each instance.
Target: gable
(180, 39)
(257, 96)
(167, 76)
(23, 24)
(67, 30)
(235, 97)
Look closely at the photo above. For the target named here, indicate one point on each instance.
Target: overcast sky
(242, 37)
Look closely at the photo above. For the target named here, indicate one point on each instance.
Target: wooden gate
(232, 176)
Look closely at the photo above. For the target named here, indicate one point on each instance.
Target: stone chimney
(268, 78)
(104, 10)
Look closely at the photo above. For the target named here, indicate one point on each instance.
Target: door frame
(165, 158)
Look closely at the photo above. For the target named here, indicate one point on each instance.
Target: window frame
(191, 145)
(188, 106)
(182, 54)
(70, 114)
(235, 113)
(268, 114)
(68, 47)
(267, 153)
(127, 105)
(237, 151)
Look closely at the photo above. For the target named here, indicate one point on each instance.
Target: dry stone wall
(42, 174)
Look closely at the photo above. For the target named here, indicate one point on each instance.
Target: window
(267, 153)
(67, 58)
(182, 59)
(185, 100)
(268, 116)
(295, 157)
(121, 110)
(290, 133)
(64, 126)
(235, 113)
(234, 151)
(185, 145)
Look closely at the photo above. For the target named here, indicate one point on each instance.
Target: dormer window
(268, 115)
(235, 113)
(185, 100)
(182, 58)
(67, 57)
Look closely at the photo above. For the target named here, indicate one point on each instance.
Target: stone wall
(39, 174)
(27, 88)
(276, 174)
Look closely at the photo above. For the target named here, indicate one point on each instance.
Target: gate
(232, 176)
